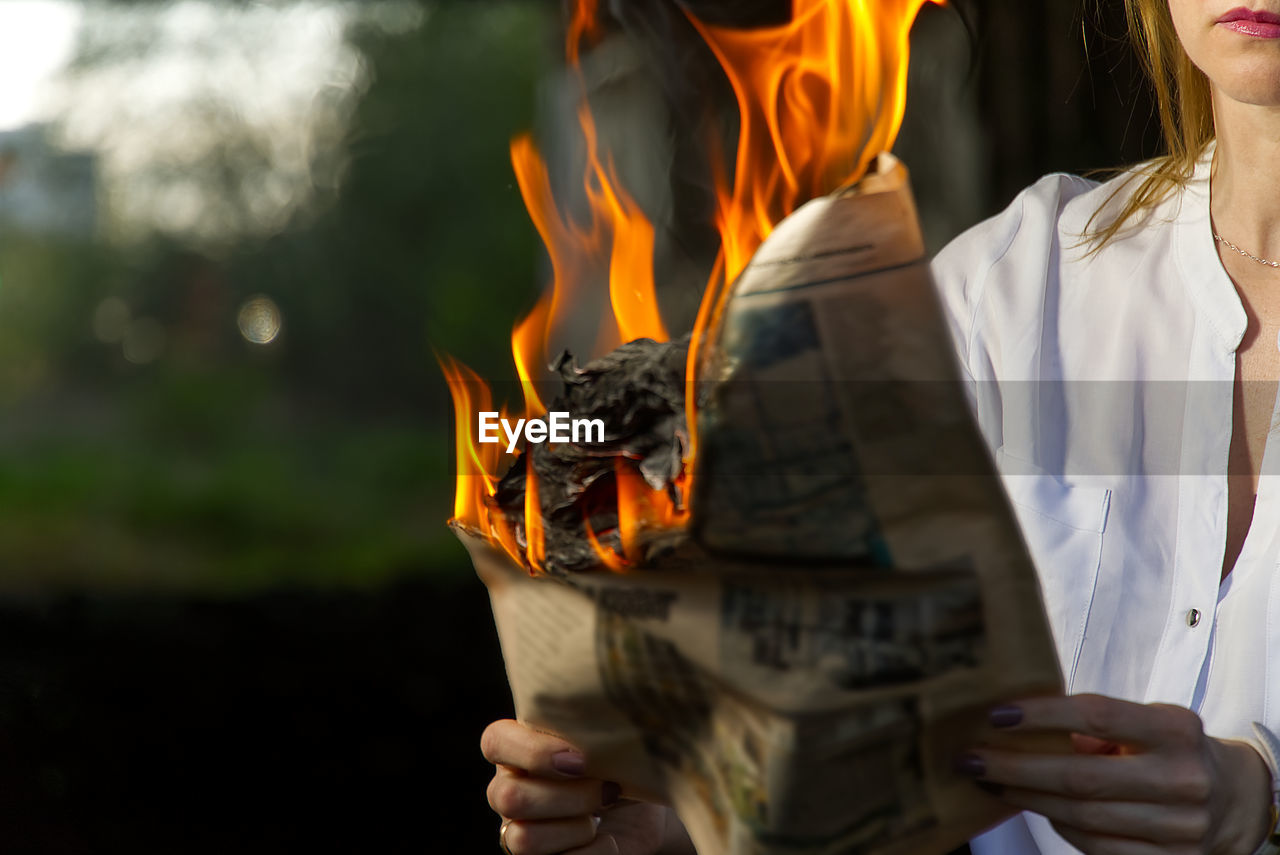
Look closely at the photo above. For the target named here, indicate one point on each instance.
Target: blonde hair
(1185, 107)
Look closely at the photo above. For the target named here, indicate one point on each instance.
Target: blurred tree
(427, 244)
(147, 443)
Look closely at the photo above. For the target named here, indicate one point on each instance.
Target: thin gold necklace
(1220, 239)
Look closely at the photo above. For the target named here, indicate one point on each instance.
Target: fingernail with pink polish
(569, 763)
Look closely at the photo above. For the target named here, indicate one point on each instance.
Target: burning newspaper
(784, 604)
(795, 669)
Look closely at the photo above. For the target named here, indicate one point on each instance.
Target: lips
(1251, 22)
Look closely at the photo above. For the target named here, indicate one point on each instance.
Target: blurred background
(232, 234)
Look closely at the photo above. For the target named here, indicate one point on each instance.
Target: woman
(1134, 331)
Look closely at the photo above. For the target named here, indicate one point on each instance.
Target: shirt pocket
(1063, 525)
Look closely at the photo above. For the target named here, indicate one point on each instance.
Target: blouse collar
(1207, 279)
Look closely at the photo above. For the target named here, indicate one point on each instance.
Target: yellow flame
(819, 97)
(477, 463)
(535, 539)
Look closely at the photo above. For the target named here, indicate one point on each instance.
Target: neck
(1245, 198)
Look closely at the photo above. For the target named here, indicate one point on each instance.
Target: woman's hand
(1144, 778)
(548, 806)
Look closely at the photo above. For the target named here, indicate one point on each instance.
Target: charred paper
(638, 392)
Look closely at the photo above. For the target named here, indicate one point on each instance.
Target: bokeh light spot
(259, 320)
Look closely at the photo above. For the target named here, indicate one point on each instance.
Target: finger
(1133, 777)
(1098, 844)
(510, 743)
(517, 796)
(1104, 718)
(1155, 823)
(549, 836)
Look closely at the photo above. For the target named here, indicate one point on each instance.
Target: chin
(1260, 87)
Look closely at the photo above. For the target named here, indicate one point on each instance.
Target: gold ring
(502, 837)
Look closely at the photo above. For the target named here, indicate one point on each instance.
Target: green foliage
(320, 507)
(325, 457)
(428, 244)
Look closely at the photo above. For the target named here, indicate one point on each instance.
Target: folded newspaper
(852, 597)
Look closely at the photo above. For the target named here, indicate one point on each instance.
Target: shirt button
(1193, 617)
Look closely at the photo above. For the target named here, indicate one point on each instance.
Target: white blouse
(1103, 385)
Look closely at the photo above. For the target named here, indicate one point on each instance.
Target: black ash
(638, 391)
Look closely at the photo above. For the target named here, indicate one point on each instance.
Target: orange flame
(641, 508)
(535, 545)
(617, 241)
(477, 463)
(819, 98)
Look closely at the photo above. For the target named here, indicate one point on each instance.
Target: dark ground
(284, 723)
